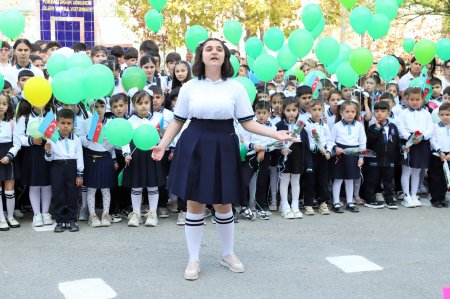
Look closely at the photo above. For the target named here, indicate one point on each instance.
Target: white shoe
(37, 220)
(134, 219)
(152, 219)
(106, 220)
(287, 214)
(13, 223)
(4, 225)
(47, 218)
(408, 202)
(94, 222)
(379, 197)
(18, 214)
(192, 270)
(181, 218)
(83, 215)
(297, 214)
(416, 201)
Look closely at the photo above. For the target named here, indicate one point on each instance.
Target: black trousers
(163, 193)
(375, 174)
(64, 189)
(120, 196)
(316, 182)
(436, 180)
(250, 166)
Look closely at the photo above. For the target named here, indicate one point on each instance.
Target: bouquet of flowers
(447, 174)
(358, 152)
(317, 141)
(416, 136)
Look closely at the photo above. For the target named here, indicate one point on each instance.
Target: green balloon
(360, 19)
(195, 35)
(389, 8)
(300, 42)
(400, 2)
(248, 86)
(250, 62)
(424, 51)
(133, 77)
(318, 29)
(79, 60)
(33, 128)
(388, 67)
(361, 60)
(56, 64)
(145, 137)
(311, 15)
(299, 74)
(344, 52)
(327, 50)
(285, 58)
(408, 45)
(422, 83)
(98, 81)
(274, 38)
(331, 69)
(157, 4)
(348, 3)
(379, 26)
(253, 47)
(443, 49)
(265, 67)
(118, 132)
(232, 30)
(67, 88)
(2, 82)
(243, 151)
(12, 23)
(346, 75)
(154, 20)
(236, 65)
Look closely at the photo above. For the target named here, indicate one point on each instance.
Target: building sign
(67, 21)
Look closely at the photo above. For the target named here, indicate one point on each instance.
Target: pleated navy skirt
(98, 169)
(7, 171)
(419, 155)
(206, 164)
(294, 161)
(143, 171)
(35, 170)
(345, 166)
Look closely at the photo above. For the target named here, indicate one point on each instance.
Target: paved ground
(283, 258)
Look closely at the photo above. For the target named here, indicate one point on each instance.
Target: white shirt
(303, 116)
(67, 149)
(251, 139)
(163, 116)
(445, 83)
(274, 119)
(137, 121)
(324, 133)
(404, 81)
(393, 119)
(349, 134)
(411, 121)
(440, 139)
(95, 146)
(8, 73)
(8, 134)
(205, 99)
(166, 82)
(331, 118)
(15, 74)
(397, 110)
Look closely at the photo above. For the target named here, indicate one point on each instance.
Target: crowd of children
(380, 140)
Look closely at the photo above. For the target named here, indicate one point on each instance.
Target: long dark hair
(198, 69)
(288, 101)
(9, 114)
(176, 82)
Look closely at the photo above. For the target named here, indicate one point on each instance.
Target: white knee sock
(91, 200)
(349, 190)
(415, 179)
(2, 213)
(10, 202)
(193, 230)
(225, 230)
(284, 187)
(136, 199)
(35, 199)
(274, 183)
(106, 196)
(252, 189)
(357, 187)
(84, 190)
(336, 190)
(153, 197)
(295, 191)
(46, 197)
(406, 174)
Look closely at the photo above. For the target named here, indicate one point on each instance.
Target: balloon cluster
(153, 18)
(425, 50)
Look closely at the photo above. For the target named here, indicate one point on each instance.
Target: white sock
(274, 183)
(252, 189)
(153, 197)
(357, 187)
(106, 196)
(415, 179)
(2, 213)
(295, 191)
(136, 199)
(349, 190)
(193, 230)
(84, 204)
(225, 230)
(284, 188)
(35, 199)
(336, 190)
(10, 202)
(46, 197)
(406, 173)
(423, 172)
(91, 200)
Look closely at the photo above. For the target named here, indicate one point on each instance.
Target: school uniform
(385, 142)
(434, 103)
(410, 121)
(440, 143)
(347, 135)
(330, 117)
(206, 163)
(14, 74)
(274, 119)
(303, 115)
(142, 171)
(67, 165)
(9, 146)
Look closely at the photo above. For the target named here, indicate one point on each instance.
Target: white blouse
(351, 134)
(411, 121)
(8, 134)
(137, 121)
(440, 140)
(324, 134)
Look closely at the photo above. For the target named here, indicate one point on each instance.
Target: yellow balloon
(37, 91)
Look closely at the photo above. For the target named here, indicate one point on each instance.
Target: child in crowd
(148, 65)
(66, 157)
(436, 96)
(327, 86)
(182, 71)
(392, 88)
(166, 81)
(303, 97)
(130, 56)
(332, 102)
(99, 54)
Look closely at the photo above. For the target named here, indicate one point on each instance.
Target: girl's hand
(48, 147)
(448, 157)
(260, 156)
(443, 157)
(285, 152)
(157, 152)
(327, 156)
(116, 165)
(360, 162)
(283, 135)
(4, 160)
(79, 182)
(258, 148)
(170, 156)
(339, 151)
(128, 159)
(406, 149)
(37, 141)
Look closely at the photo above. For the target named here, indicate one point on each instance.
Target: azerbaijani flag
(314, 83)
(160, 125)
(95, 131)
(48, 127)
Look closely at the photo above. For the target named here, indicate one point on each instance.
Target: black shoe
(437, 204)
(337, 209)
(374, 205)
(444, 204)
(315, 204)
(60, 227)
(236, 220)
(391, 205)
(352, 208)
(73, 227)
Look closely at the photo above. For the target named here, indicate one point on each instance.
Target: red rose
(364, 152)
(301, 124)
(417, 133)
(314, 131)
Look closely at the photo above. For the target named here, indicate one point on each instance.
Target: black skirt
(345, 166)
(206, 164)
(418, 156)
(7, 171)
(294, 161)
(143, 171)
(98, 169)
(35, 170)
